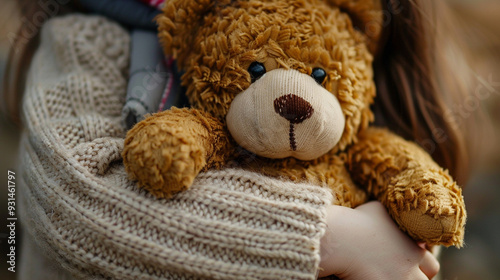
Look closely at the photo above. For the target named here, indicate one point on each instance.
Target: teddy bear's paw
(162, 157)
(432, 230)
(429, 206)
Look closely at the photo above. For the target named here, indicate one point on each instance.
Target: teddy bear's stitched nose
(293, 108)
(296, 110)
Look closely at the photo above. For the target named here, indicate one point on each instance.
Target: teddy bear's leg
(166, 151)
(334, 173)
(328, 171)
(421, 197)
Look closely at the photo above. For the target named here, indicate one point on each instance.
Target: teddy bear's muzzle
(286, 113)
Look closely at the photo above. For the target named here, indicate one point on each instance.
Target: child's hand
(365, 243)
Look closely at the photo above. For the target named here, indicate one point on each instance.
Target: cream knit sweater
(84, 219)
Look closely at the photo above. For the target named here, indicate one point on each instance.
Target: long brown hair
(415, 83)
(418, 85)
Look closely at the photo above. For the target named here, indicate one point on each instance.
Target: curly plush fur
(215, 43)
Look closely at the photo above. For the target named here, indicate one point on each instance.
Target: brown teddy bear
(284, 87)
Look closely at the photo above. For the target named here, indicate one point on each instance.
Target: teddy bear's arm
(421, 197)
(167, 150)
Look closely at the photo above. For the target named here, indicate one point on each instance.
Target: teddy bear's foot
(433, 231)
(428, 205)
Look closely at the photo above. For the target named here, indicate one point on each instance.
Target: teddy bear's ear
(178, 23)
(366, 15)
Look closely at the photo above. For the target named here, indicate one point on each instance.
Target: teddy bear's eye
(318, 75)
(256, 70)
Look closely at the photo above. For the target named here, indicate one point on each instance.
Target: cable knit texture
(82, 212)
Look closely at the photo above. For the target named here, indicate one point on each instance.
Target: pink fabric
(170, 84)
(168, 89)
(154, 3)
(169, 62)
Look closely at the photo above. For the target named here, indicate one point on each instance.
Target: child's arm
(364, 243)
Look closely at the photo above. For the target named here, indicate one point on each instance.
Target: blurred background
(480, 258)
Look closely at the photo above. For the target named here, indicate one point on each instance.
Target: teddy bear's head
(289, 78)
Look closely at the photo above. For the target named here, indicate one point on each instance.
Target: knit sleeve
(83, 213)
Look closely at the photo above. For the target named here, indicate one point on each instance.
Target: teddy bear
(284, 88)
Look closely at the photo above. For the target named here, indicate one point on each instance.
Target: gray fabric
(148, 77)
(131, 13)
(152, 87)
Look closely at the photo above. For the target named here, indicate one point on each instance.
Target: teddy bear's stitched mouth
(296, 110)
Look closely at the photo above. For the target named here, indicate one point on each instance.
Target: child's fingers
(422, 245)
(429, 265)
